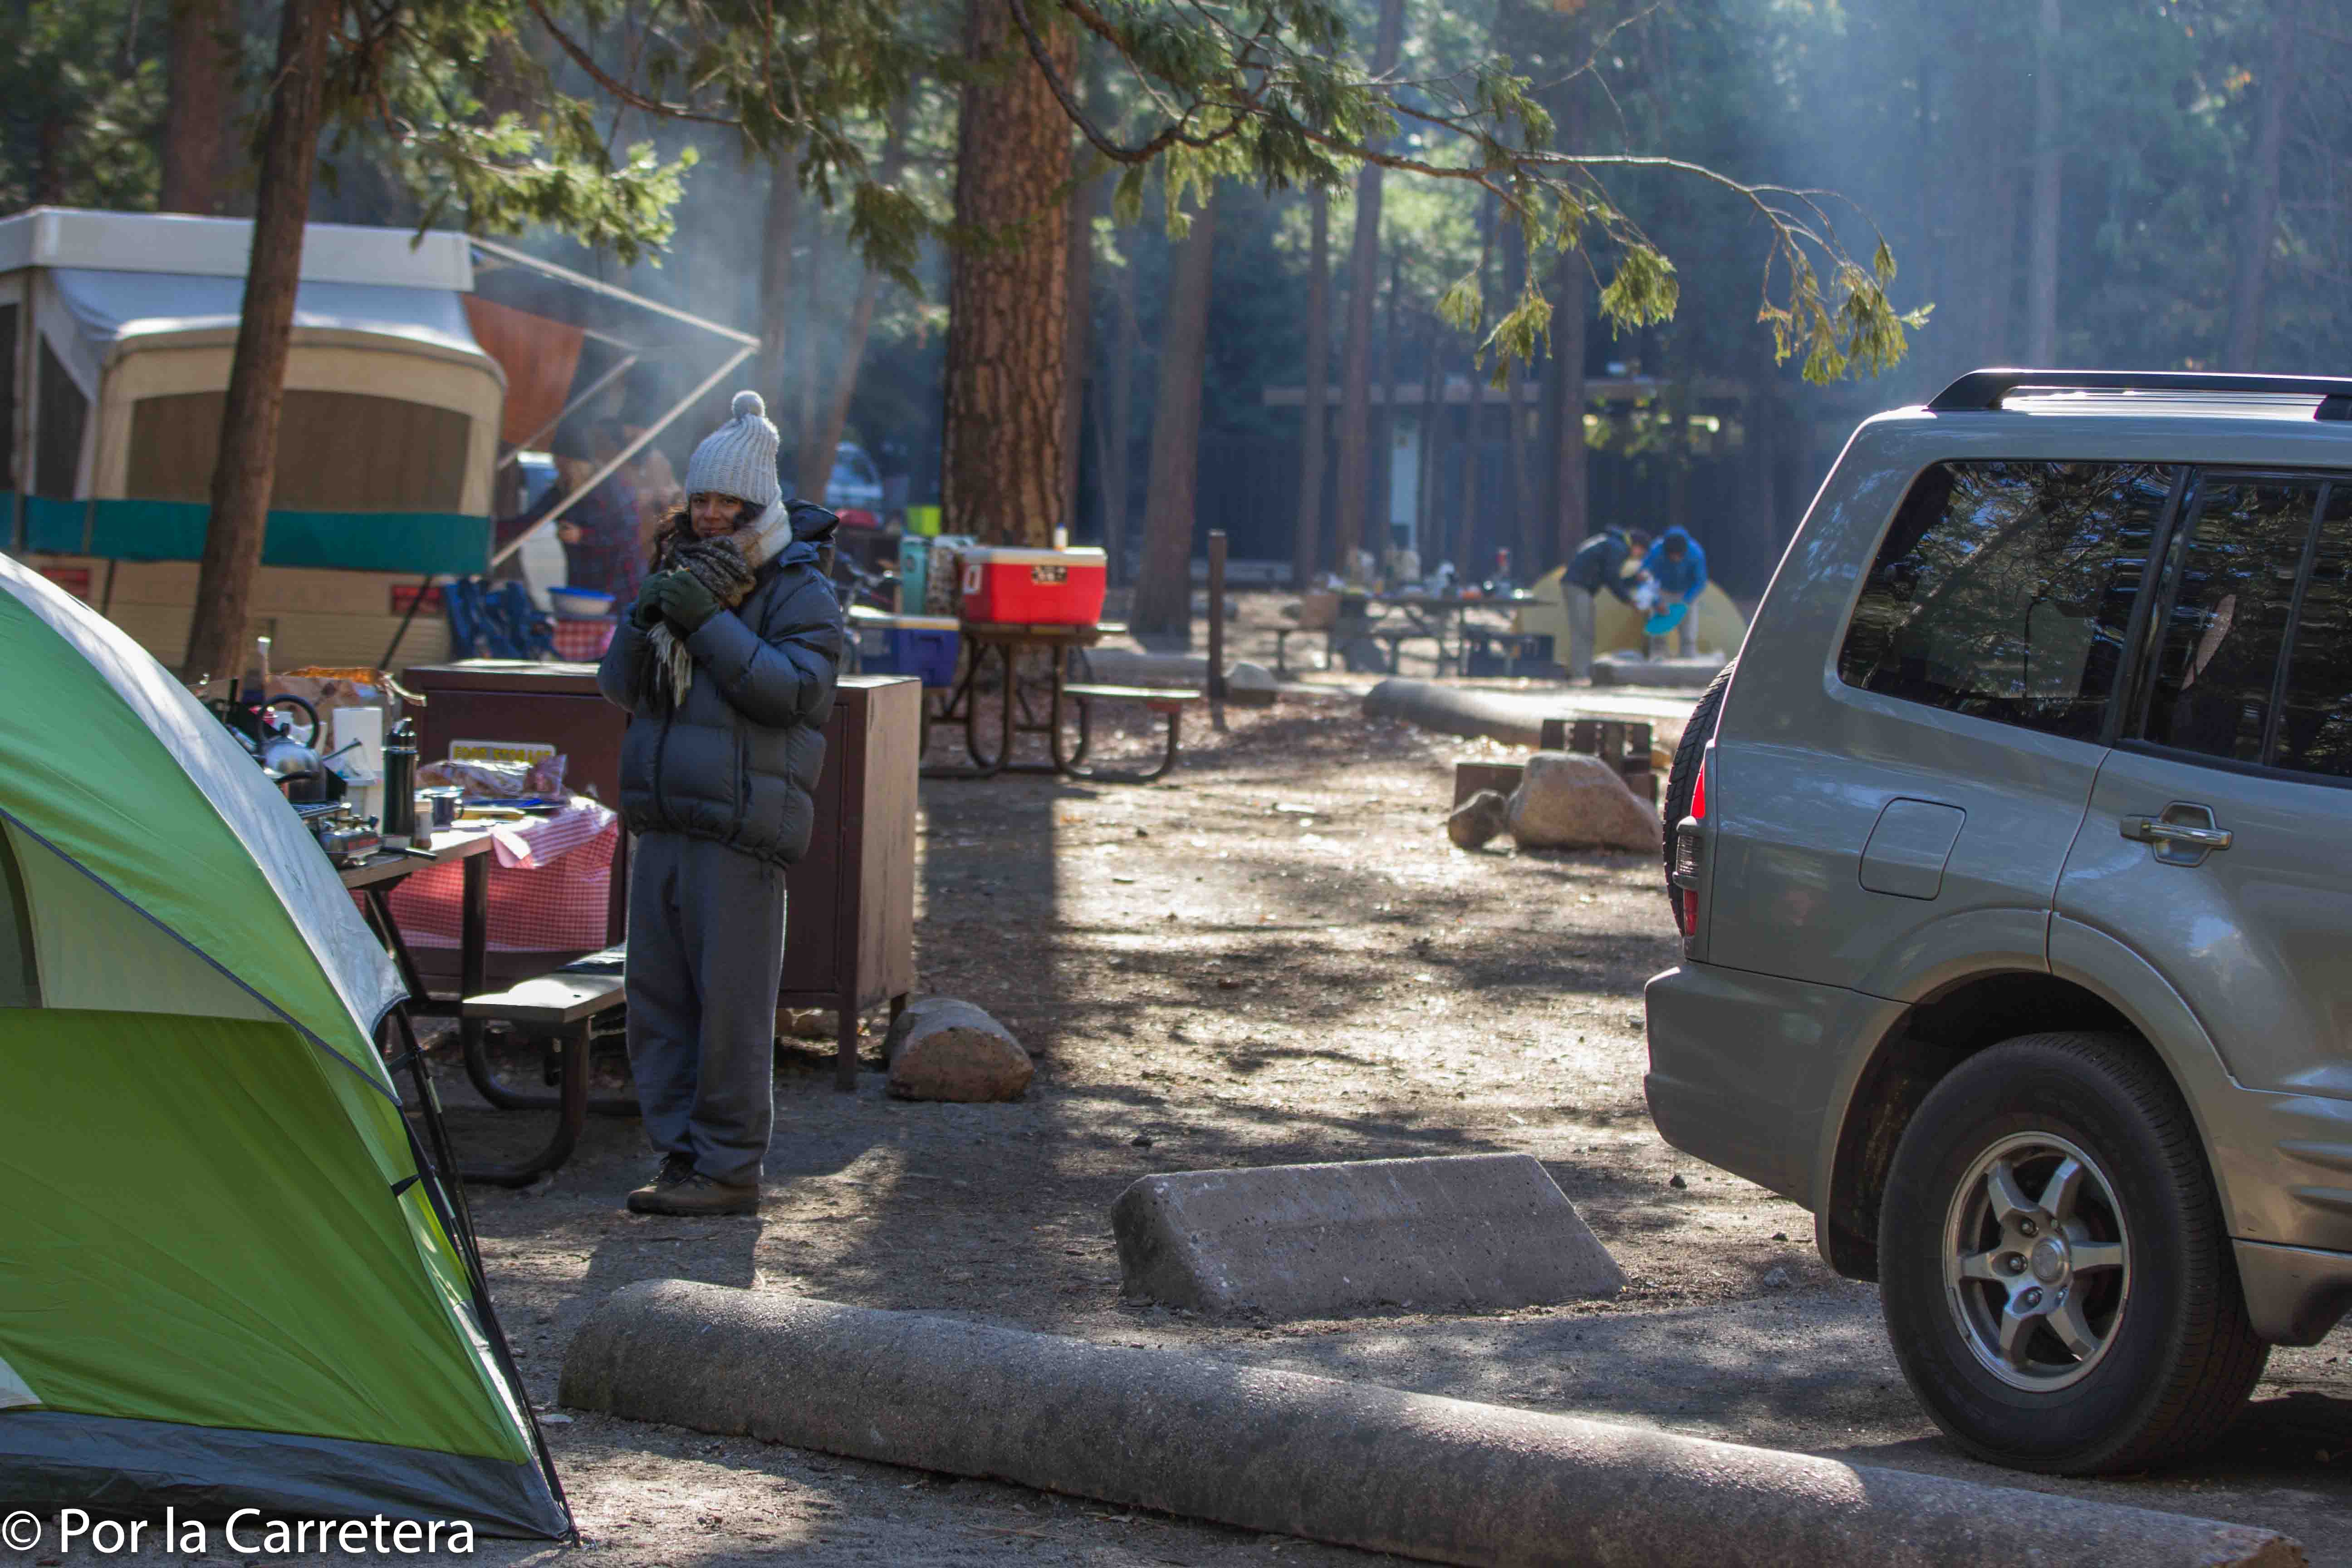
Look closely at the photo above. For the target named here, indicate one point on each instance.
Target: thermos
(398, 826)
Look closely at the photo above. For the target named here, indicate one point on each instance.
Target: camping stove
(346, 837)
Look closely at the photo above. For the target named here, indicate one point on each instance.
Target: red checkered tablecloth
(583, 642)
(551, 890)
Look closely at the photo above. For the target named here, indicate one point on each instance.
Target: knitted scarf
(727, 566)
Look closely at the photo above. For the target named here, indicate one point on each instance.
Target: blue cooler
(924, 645)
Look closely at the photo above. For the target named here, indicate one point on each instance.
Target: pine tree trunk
(1116, 429)
(2257, 234)
(247, 462)
(1376, 529)
(1163, 589)
(1008, 319)
(811, 464)
(1349, 524)
(1570, 522)
(777, 234)
(196, 106)
(1306, 539)
(1076, 354)
(1528, 538)
(834, 419)
(2041, 275)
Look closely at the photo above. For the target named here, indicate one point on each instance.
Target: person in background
(1598, 563)
(727, 663)
(659, 495)
(602, 550)
(1678, 566)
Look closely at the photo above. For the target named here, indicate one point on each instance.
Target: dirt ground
(1272, 956)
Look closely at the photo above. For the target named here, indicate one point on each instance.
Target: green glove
(687, 602)
(648, 609)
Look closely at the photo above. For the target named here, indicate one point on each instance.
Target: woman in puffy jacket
(726, 663)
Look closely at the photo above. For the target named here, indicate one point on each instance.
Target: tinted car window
(2315, 730)
(2004, 590)
(2219, 659)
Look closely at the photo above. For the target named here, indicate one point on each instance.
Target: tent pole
(422, 590)
(448, 1197)
(611, 290)
(629, 451)
(514, 454)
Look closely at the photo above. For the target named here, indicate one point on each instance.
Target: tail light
(1690, 846)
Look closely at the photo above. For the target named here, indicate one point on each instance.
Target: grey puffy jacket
(737, 762)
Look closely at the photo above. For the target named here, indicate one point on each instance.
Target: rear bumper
(2294, 1294)
(1746, 1069)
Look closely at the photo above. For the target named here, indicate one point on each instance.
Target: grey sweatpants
(1581, 606)
(706, 955)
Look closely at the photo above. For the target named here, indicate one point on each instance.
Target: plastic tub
(579, 603)
(924, 645)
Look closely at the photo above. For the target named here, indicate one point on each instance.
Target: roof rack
(1982, 390)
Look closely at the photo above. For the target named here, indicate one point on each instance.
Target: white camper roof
(221, 247)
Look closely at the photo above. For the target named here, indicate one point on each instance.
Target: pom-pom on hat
(739, 458)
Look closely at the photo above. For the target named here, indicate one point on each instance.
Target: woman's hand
(687, 603)
(648, 608)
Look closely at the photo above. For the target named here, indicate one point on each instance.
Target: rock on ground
(941, 1048)
(1569, 800)
(1477, 819)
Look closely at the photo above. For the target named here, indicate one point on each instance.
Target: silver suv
(2013, 862)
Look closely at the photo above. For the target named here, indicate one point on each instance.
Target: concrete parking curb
(1355, 1464)
(1444, 1234)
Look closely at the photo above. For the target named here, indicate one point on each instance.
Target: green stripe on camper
(192, 1198)
(447, 543)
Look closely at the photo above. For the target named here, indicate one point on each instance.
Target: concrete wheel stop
(1466, 1233)
(1354, 1464)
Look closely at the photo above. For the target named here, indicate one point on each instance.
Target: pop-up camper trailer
(416, 361)
(117, 331)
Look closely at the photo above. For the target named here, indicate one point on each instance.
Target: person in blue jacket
(1678, 566)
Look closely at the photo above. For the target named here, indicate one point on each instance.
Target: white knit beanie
(739, 458)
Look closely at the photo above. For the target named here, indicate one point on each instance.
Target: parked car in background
(854, 480)
(2014, 863)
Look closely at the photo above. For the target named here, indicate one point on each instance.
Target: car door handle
(2155, 830)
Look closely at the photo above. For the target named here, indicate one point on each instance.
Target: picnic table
(1016, 717)
(1401, 617)
(373, 881)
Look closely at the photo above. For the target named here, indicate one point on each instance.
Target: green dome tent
(224, 1282)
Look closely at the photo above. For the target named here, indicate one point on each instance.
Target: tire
(2154, 1355)
(1683, 773)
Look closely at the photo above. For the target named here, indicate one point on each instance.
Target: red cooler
(1034, 587)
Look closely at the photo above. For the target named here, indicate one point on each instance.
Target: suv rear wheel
(2055, 1270)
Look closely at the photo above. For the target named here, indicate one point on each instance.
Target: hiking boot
(675, 1169)
(696, 1194)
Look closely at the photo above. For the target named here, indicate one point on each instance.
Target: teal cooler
(924, 645)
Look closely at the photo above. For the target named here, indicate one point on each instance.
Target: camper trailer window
(56, 431)
(8, 396)
(337, 451)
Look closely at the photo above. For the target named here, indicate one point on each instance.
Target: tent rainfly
(227, 1277)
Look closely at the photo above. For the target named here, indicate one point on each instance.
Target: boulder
(1569, 800)
(1477, 819)
(941, 1048)
(1251, 685)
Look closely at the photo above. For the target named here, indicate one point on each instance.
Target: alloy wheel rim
(2037, 1261)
